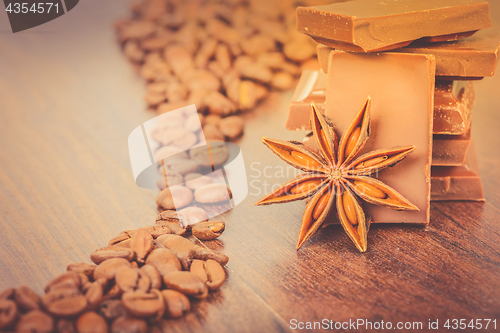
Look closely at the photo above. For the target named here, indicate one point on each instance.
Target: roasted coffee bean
(65, 326)
(211, 133)
(35, 321)
(8, 313)
(110, 252)
(141, 244)
(132, 279)
(107, 269)
(195, 180)
(94, 294)
(91, 322)
(191, 215)
(157, 230)
(182, 247)
(186, 283)
(112, 309)
(203, 253)
(27, 299)
(167, 216)
(122, 240)
(83, 268)
(142, 304)
(64, 302)
(176, 303)
(208, 230)
(232, 127)
(174, 197)
(198, 268)
(129, 325)
(212, 193)
(210, 271)
(153, 275)
(164, 260)
(68, 279)
(7, 293)
(183, 166)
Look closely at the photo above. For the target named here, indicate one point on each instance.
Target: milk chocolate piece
(469, 58)
(397, 119)
(379, 25)
(457, 182)
(450, 150)
(311, 88)
(453, 102)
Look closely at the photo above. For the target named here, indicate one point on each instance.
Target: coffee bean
(191, 215)
(91, 322)
(110, 252)
(112, 309)
(27, 299)
(232, 127)
(176, 303)
(164, 260)
(167, 216)
(65, 326)
(141, 244)
(132, 279)
(212, 119)
(212, 193)
(170, 178)
(208, 230)
(186, 283)
(142, 304)
(122, 240)
(64, 302)
(154, 276)
(94, 295)
(211, 133)
(35, 321)
(129, 325)
(68, 279)
(181, 246)
(174, 197)
(157, 230)
(216, 274)
(8, 313)
(82, 267)
(203, 253)
(198, 269)
(182, 166)
(107, 269)
(113, 293)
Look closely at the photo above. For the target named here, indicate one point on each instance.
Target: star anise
(337, 177)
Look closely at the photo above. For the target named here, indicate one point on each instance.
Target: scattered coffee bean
(174, 197)
(144, 304)
(64, 302)
(164, 260)
(35, 321)
(110, 252)
(141, 244)
(192, 215)
(27, 299)
(203, 253)
(212, 193)
(108, 268)
(176, 303)
(186, 283)
(154, 276)
(208, 230)
(8, 313)
(91, 322)
(232, 127)
(82, 267)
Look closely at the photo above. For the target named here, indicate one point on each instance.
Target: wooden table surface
(68, 101)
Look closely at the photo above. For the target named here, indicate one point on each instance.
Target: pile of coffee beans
(141, 277)
(223, 56)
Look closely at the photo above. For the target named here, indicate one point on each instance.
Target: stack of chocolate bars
(417, 60)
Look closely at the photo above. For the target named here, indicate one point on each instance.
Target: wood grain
(69, 99)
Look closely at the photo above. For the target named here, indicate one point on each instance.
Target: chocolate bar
(450, 150)
(311, 88)
(401, 87)
(469, 58)
(453, 103)
(380, 25)
(457, 182)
